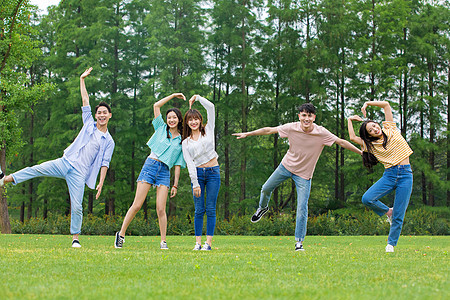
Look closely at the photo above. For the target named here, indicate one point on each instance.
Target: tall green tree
(17, 94)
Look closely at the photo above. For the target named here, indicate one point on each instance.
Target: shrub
(339, 222)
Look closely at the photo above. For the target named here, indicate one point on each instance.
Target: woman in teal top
(165, 145)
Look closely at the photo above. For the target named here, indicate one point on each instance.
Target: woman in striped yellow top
(386, 145)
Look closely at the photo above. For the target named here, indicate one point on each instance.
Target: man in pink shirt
(306, 141)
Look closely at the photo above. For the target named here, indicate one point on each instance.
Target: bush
(339, 222)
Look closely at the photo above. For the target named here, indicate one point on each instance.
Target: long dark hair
(180, 121)
(369, 160)
(192, 114)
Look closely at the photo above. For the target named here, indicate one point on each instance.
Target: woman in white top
(201, 160)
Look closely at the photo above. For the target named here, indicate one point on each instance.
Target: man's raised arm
(84, 93)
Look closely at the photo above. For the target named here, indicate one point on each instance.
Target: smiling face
(374, 129)
(102, 115)
(306, 120)
(194, 123)
(172, 120)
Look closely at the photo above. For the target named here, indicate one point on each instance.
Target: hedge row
(417, 222)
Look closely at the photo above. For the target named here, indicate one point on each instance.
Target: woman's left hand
(173, 192)
(197, 191)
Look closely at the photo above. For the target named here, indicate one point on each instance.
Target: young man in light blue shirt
(89, 153)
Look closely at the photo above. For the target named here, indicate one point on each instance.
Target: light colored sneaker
(197, 246)
(389, 218)
(163, 246)
(389, 248)
(206, 247)
(76, 244)
(2, 179)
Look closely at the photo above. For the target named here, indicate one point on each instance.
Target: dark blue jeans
(209, 180)
(399, 179)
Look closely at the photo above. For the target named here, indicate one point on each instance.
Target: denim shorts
(155, 172)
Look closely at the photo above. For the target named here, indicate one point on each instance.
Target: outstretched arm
(351, 131)
(347, 145)
(157, 106)
(384, 105)
(84, 93)
(261, 131)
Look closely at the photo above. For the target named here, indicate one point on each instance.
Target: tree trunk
(448, 134)
(90, 202)
(244, 108)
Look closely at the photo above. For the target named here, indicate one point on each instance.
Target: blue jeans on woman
(209, 180)
(400, 179)
(303, 188)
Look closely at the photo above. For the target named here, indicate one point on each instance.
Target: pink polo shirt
(304, 148)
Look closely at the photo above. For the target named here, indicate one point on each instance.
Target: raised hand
(86, 73)
(355, 118)
(192, 100)
(363, 109)
(179, 96)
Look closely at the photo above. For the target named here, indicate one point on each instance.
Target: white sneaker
(76, 244)
(197, 246)
(206, 247)
(389, 218)
(163, 246)
(389, 248)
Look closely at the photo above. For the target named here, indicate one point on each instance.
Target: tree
(17, 52)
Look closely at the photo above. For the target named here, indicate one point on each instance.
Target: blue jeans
(155, 172)
(209, 180)
(400, 179)
(303, 187)
(60, 168)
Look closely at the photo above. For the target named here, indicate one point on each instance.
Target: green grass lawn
(239, 267)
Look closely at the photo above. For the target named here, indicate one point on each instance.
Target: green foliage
(257, 62)
(339, 222)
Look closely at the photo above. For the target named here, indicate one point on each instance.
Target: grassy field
(44, 266)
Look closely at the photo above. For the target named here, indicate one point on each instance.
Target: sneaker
(163, 246)
(118, 243)
(206, 247)
(258, 214)
(2, 179)
(389, 248)
(299, 246)
(197, 246)
(76, 244)
(389, 220)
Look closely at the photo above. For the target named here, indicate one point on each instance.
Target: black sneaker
(2, 179)
(299, 246)
(258, 214)
(118, 243)
(76, 244)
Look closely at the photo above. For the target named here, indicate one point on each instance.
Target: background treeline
(256, 60)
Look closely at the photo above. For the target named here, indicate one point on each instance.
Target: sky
(43, 4)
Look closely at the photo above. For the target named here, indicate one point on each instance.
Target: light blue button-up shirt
(104, 154)
(167, 150)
